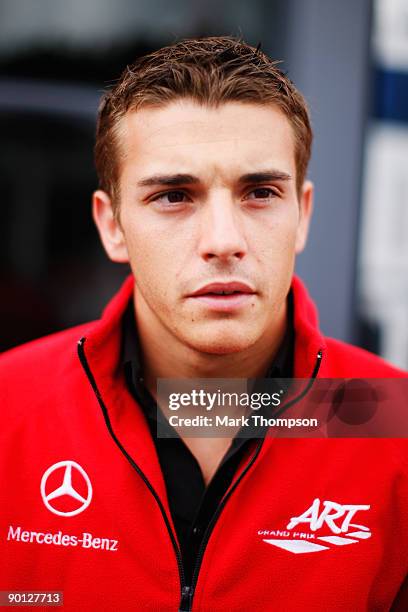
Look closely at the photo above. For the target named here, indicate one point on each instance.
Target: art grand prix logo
(327, 522)
(66, 489)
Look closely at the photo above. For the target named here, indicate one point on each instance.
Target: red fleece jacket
(313, 524)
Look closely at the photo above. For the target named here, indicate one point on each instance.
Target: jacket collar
(308, 337)
(100, 354)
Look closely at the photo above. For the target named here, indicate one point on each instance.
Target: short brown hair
(212, 71)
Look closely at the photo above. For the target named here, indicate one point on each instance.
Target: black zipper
(90, 376)
(187, 592)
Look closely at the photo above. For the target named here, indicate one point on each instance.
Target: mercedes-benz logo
(66, 487)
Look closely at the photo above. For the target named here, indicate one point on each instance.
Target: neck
(177, 360)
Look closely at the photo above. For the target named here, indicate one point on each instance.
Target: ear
(109, 228)
(305, 215)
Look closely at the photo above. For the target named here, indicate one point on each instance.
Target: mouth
(224, 297)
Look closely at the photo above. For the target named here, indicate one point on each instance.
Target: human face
(208, 203)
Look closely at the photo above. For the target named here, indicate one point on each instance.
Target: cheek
(145, 254)
(275, 239)
(156, 259)
(160, 242)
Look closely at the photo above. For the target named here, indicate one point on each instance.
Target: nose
(222, 236)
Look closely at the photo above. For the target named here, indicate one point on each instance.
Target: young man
(202, 150)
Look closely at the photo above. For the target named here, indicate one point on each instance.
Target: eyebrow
(168, 179)
(265, 176)
(173, 180)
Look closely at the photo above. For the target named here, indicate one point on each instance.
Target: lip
(236, 286)
(206, 295)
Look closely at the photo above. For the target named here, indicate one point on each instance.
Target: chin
(225, 343)
(221, 349)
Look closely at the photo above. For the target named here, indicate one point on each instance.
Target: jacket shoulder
(347, 360)
(41, 356)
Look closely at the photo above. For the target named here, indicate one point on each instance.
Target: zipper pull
(186, 594)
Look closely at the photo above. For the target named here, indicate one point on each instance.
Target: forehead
(186, 136)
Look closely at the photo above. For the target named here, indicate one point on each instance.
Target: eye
(170, 197)
(262, 193)
(170, 201)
